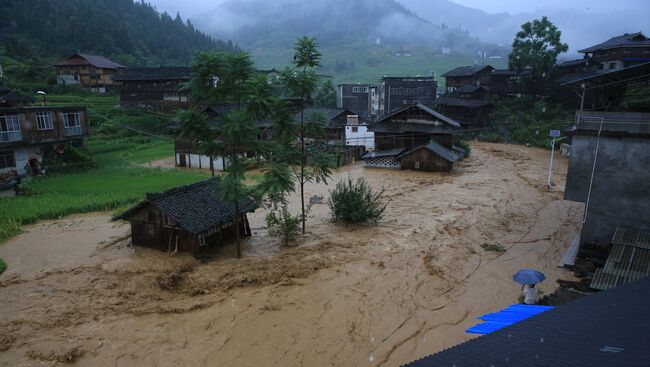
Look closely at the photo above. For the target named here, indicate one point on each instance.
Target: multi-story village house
(396, 93)
(27, 131)
(91, 72)
(159, 88)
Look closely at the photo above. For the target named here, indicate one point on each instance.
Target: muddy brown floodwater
(75, 292)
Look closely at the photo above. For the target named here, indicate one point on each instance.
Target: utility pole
(554, 134)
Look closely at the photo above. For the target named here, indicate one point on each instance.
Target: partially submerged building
(608, 171)
(415, 137)
(190, 218)
(91, 72)
(159, 88)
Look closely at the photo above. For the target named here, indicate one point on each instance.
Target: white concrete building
(358, 134)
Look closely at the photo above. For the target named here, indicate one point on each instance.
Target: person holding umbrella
(528, 278)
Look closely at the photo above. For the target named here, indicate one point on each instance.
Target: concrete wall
(620, 191)
(361, 137)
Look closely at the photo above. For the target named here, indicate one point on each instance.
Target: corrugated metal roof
(628, 260)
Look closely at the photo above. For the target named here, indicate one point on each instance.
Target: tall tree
(535, 50)
(306, 59)
(326, 96)
(223, 78)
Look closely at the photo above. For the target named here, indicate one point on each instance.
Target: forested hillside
(129, 32)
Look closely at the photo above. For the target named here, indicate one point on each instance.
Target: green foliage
(3, 266)
(536, 48)
(463, 144)
(491, 137)
(493, 247)
(637, 97)
(71, 159)
(130, 32)
(283, 225)
(355, 202)
(529, 121)
(326, 96)
(9, 228)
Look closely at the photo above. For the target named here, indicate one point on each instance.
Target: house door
(181, 160)
(417, 165)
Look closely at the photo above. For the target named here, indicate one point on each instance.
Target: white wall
(361, 137)
(193, 161)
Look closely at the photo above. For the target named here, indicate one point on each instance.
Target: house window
(355, 129)
(44, 120)
(399, 90)
(612, 65)
(359, 89)
(72, 123)
(7, 159)
(167, 220)
(9, 128)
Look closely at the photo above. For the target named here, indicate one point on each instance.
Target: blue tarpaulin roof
(508, 316)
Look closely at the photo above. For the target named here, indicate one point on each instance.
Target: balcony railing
(73, 130)
(10, 136)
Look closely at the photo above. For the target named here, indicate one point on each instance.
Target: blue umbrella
(528, 276)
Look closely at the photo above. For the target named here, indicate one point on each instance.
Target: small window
(71, 119)
(612, 65)
(167, 220)
(355, 129)
(7, 159)
(9, 128)
(44, 121)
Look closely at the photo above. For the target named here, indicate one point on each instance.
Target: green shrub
(493, 247)
(355, 202)
(283, 225)
(9, 228)
(463, 144)
(491, 137)
(3, 266)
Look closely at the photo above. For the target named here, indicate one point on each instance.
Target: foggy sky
(191, 8)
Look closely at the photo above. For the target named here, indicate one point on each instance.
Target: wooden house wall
(89, 76)
(467, 117)
(385, 141)
(149, 230)
(425, 160)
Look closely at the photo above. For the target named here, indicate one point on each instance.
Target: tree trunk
(212, 165)
(303, 162)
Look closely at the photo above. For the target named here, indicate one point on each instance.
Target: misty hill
(361, 40)
(581, 26)
(131, 33)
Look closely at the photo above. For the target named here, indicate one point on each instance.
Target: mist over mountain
(255, 22)
(581, 26)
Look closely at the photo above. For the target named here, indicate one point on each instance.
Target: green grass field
(362, 63)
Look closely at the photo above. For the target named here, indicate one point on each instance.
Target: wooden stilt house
(189, 218)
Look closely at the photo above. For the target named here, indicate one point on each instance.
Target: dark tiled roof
(627, 40)
(430, 111)
(160, 73)
(573, 62)
(383, 153)
(609, 328)
(461, 102)
(197, 207)
(94, 60)
(435, 147)
(466, 70)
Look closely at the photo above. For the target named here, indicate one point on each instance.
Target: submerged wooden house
(189, 218)
(415, 137)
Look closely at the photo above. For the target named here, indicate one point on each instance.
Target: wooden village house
(157, 88)
(26, 132)
(335, 122)
(91, 72)
(190, 218)
(415, 137)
